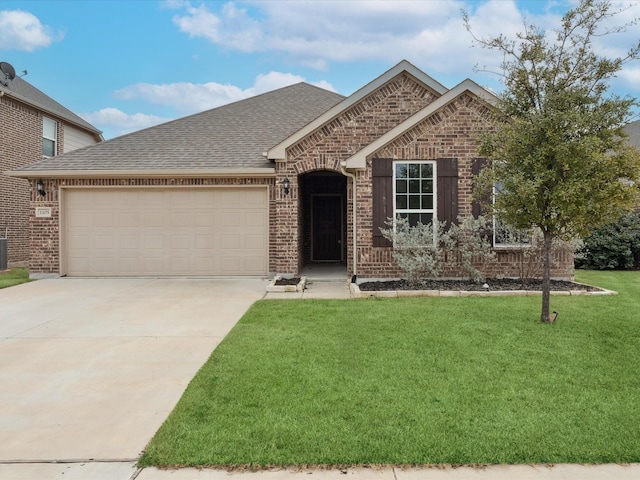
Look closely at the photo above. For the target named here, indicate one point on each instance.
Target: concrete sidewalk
(129, 471)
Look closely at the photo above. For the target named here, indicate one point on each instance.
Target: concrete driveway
(90, 368)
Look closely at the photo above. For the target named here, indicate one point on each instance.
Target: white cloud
(315, 33)
(114, 122)
(184, 98)
(20, 30)
(191, 97)
(428, 33)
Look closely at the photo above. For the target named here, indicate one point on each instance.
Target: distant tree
(557, 151)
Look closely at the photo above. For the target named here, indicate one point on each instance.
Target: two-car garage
(164, 231)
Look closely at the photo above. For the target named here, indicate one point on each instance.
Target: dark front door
(327, 228)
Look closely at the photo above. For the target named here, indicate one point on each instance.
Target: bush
(423, 251)
(615, 246)
(472, 246)
(420, 250)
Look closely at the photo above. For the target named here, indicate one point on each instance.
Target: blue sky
(127, 65)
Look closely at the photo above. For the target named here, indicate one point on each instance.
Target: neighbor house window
(414, 190)
(49, 135)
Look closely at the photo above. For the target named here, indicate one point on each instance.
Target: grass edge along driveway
(15, 276)
(417, 381)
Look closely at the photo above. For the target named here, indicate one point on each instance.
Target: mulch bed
(287, 281)
(495, 284)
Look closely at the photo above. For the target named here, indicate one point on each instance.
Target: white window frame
(45, 136)
(521, 238)
(433, 211)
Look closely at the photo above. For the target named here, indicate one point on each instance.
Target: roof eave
(148, 173)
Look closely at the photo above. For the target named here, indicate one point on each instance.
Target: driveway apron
(90, 368)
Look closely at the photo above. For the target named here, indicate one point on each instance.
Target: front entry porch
(324, 214)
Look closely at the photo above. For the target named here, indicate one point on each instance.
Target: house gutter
(343, 170)
(147, 173)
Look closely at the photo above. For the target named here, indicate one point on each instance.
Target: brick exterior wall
(336, 141)
(45, 232)
(20, 145)
(451, 132)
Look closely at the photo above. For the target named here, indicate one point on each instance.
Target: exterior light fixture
(40, 188)
(286, 185)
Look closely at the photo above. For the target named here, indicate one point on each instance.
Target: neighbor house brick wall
(20, 145)
(325, 148)
(45, 232)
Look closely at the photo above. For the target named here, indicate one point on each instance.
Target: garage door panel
(172, 231)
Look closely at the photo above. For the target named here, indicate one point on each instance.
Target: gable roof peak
(278, 152)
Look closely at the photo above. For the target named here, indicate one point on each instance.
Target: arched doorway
(324, 204)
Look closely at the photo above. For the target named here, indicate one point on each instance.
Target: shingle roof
(230, 136)
(24, 91)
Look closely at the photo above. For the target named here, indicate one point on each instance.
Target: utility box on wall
(3, 254)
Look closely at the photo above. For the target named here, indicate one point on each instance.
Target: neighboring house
(33, 126)
(266, 185)
(633, 131)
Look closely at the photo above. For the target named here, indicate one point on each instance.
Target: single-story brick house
(266, 185)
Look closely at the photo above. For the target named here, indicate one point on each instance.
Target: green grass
(15, 277)
(418, 381)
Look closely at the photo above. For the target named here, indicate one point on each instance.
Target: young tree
(557, 151)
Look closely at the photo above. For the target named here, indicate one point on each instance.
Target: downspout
(343, 170)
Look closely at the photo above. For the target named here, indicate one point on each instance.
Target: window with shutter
(414, 191)
(418, 190)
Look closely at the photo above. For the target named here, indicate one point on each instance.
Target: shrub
(422, 251)
(615, 246)
(418, 250)
(471, 246)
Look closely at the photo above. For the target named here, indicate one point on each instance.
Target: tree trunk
(546, 275)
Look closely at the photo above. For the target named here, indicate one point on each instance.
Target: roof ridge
(26, 92)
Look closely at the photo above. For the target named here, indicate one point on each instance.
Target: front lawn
(418, 381)
(15, 277)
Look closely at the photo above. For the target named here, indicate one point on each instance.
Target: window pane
(401, 201)
(426, 218)
(414, 218)
(401, 170)
(414, 202)
(427, 202)
(48, 148)
(427, 170)
(48, 128)
(427, 186)
(414, 186)
(414, 170)
(401, 186)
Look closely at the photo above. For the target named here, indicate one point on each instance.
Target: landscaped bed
(492, 284)
(418, 381)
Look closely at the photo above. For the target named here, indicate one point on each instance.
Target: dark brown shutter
(476, 207)
(382, 173)
(477, 165)
(447, 190)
